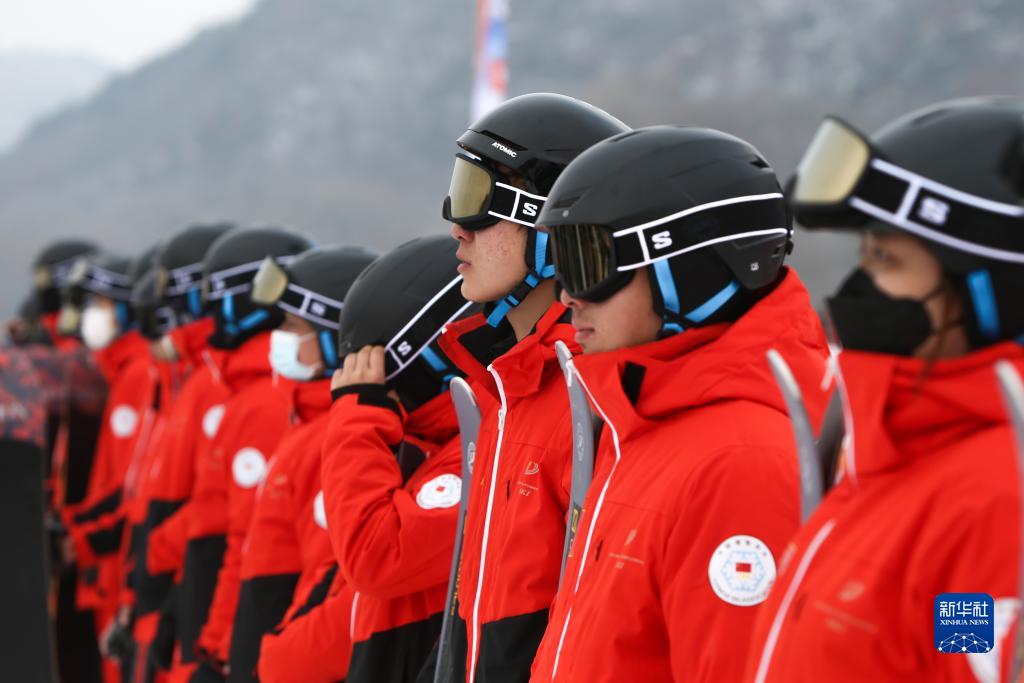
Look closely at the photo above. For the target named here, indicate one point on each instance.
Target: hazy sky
(121, 33)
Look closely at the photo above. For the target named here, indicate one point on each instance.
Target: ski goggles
(593, 262)
(273, 287)
(841, 169)
(478, 198)
(236, 279)
(55, 275)
(88, 278)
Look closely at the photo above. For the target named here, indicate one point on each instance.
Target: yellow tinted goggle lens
(41, 278)
(78, 273)
(470, 189)
(832, 165)
(68, 319)
(269, 284)
(582, 255)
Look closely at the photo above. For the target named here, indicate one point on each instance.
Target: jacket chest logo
(623, 558)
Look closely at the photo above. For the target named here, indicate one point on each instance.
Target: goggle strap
(511, 203)
(915, 204)
(307, 304)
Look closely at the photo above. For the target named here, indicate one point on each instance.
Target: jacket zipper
(787, 599)
(475, 652)
(591, 527)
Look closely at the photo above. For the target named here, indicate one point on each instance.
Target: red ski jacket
(190, 389)
(314, 644)
(695, 493)
(285, 535)
(928, 503)
(515, 523)
(392, 486)
(95, 525)
(255, 417)
(193, 424)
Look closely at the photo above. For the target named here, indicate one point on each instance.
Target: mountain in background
(36, 84)
(339, 117)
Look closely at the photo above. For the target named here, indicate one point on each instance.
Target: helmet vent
(566, 202)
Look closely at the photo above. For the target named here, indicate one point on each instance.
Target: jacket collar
(310, 400)
(434, 421)
(248, 362)
(112, 360)
(524, 366)
(637, 387)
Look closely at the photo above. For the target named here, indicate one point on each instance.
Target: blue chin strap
(122, 314)
(983, 297)
(540, 269)
(195, 303)
(437, 363)
(227, 309)
(328, 351)
(672, 318)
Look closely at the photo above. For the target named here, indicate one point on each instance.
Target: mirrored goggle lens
(832, 164)
(584, 256)
(470, 191)
(269, 284)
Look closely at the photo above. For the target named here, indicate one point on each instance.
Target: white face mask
(99, 327)
(284, 356)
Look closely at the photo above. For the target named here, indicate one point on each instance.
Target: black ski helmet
(419, 281)
(314, 287)
(51, 267)
(535, 136)
(180, 270)
(701, 208)
(103, 274)
(153, 316)
(228, 271)
(951, 174)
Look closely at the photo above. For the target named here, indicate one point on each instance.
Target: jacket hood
(903, 408)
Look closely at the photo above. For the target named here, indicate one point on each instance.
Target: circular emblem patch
(319, 511)
(211, 421)
(742, 571)
(248, 467)
(123, 420)
(440, 492)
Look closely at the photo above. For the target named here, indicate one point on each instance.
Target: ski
(468, 412)
(1013, 399)
(807, 449)
(583, 447)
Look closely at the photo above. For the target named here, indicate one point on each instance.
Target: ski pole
(582, 447)
(1013, 398)
(807, 450)
(468, 412)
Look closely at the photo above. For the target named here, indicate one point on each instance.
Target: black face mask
(868, 319)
